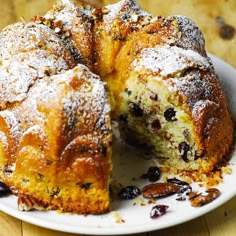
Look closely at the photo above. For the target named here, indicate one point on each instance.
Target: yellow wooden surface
(219, 222)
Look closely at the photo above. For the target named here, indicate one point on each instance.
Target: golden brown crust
(70, 20)
(30, 36)
(61, 149)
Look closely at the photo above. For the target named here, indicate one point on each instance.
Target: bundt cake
(55, 113)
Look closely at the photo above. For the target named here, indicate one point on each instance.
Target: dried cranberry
(183, 192)
(129, 192)
(156, 124)
(169, 114)
(183, 149)
(158, 210)
(4, 189)
(135, 109)
(153, 174)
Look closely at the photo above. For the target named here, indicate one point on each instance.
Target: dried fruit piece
(158, 210)
(153, 174)
(156, 125)
(184, 191)
(135, 109)
(4, 189)
(86, 186)
(7, 170)
(204, 198)
(129, 192)
(159, 190)
(153, 96)
(183, 149)
(169, 114)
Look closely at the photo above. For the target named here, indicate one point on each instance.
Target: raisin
(129, 92)
(153, 174)
(153, 96)
(129, 192)
(86, 186)
(183, 149)
(4, 189)
(169, 115)
(135, 109)
(54, 192)
(156, 124)
(158, 210)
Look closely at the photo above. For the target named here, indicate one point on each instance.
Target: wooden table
(219, 222)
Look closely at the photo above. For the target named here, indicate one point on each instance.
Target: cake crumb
(117, 218)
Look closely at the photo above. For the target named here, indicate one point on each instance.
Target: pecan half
(201, 199)
(27, 203)
(159, 190)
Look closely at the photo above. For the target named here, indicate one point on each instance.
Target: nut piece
(134, 18)
(159, 190)
(201, 199)
(27, 203)
(105, 10)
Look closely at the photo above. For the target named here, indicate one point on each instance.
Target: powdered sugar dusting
(79, 99)
(11, 123)
(169, 60)
(124, 10)
(30, 36)
(191, 36)
(201, 106)
(20, 72)
(182, 71)
(36, 53)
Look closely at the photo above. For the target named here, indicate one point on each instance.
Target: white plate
(136, 217)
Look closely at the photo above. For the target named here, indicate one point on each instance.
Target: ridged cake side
(62, 144)
(55, 131)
